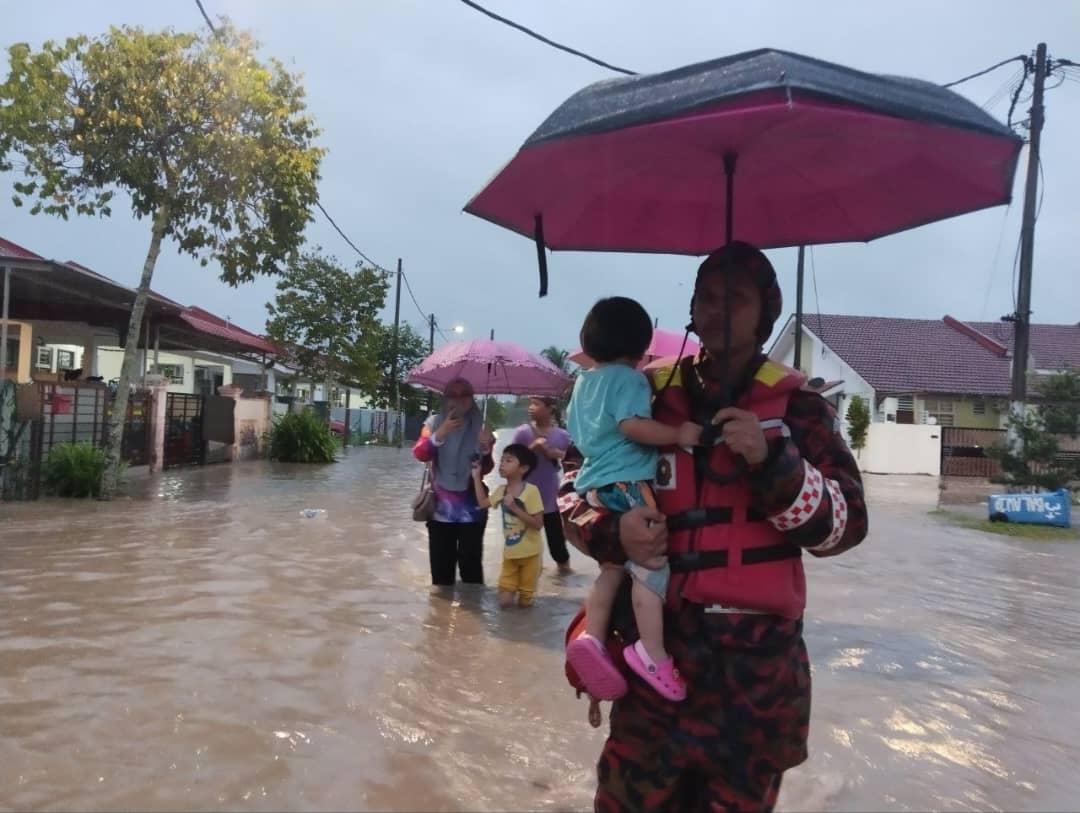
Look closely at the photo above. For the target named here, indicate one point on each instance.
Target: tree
(1061, 412)
(496, 412)
(1034, 463)
(412, 349)
(327, 318)
(557, 356)
(858, 419)
(211, 145)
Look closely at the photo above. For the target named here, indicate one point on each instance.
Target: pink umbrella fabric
(664, 343)
(492, 367)
(769, 147)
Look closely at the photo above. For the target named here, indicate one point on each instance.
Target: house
(922, 371)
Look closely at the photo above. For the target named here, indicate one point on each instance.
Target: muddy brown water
(203, 646)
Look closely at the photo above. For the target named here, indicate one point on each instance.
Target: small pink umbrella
(492, 367)
(664, 343)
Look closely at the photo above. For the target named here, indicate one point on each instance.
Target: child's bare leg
(649, 614)
(600, 600)
(594, 713)
(506, 599)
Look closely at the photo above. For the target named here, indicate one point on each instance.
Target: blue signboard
(1048, 508)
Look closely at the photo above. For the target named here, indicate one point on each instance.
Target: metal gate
(184, 443)
(964, 452)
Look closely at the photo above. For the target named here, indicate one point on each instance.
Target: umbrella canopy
(492, 367)
(664, 343)
(767, 146)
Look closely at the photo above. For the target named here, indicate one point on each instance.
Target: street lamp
(459, 328)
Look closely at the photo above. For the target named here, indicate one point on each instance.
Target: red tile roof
(10, 249)
(207, 322)
(900, 356)
(1053, 347)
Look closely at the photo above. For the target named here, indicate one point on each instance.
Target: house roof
(45, 290)
(940, 356)
(14, 251)
(206, 322)
(1053, 347)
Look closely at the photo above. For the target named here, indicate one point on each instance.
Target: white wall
(902, 449)
(819, 361)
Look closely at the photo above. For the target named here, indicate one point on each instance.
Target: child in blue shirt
(610, 421)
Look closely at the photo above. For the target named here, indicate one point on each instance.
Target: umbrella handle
(729, 205)
(710, 436)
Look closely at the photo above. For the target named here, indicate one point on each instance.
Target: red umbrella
(771, 147)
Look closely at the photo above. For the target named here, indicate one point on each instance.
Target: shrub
(74, 470)
(858, 417)
(302, 437)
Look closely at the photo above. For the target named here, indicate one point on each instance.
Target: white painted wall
(819, 361)
(110, 360)
(902, 449)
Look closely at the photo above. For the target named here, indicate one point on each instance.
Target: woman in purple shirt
(550, 441)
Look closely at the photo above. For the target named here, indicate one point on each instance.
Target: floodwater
(205, 646)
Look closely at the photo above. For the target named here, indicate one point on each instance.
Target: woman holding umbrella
(449, 442)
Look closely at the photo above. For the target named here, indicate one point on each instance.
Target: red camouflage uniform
(746, 718)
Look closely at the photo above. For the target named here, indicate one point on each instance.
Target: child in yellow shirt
(522, 518)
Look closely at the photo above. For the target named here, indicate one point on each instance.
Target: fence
(34, 418)
(964, 452)
(370, 424)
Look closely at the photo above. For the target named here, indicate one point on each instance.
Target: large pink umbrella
(664, 343)
(492, 367)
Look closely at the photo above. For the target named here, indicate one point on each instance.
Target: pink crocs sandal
(589, 658)
(662, 676)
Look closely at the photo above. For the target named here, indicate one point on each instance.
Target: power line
(994, 263)
(546, 41)
(985, 71)
(1028, 67)
(353, 245)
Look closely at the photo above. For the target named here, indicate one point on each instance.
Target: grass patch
(1013, 529)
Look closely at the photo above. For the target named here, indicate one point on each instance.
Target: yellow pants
(521, 576)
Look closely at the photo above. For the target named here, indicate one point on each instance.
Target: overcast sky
(422, 101)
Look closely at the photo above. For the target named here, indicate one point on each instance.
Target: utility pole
(394, 358)
(800, 277)
(1022, 317)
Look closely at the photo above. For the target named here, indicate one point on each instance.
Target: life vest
(722, 553)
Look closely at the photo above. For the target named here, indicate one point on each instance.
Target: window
(44, 358)
(174, 373)
(12, 354)
(905, 409)
(65, 360)
(978, 406)
(940, 409)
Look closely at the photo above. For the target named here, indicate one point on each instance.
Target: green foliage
(328, 317)
(496, 413)
(1034, 463)
(557, 356)
(1061, 413)
(1013, 529)
(74, 470)
(193, 123)
(858, 419)
(207, 140)
(412, 349)
(302, 437)
(561, 359)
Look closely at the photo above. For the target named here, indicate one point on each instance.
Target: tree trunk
(114, 449)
